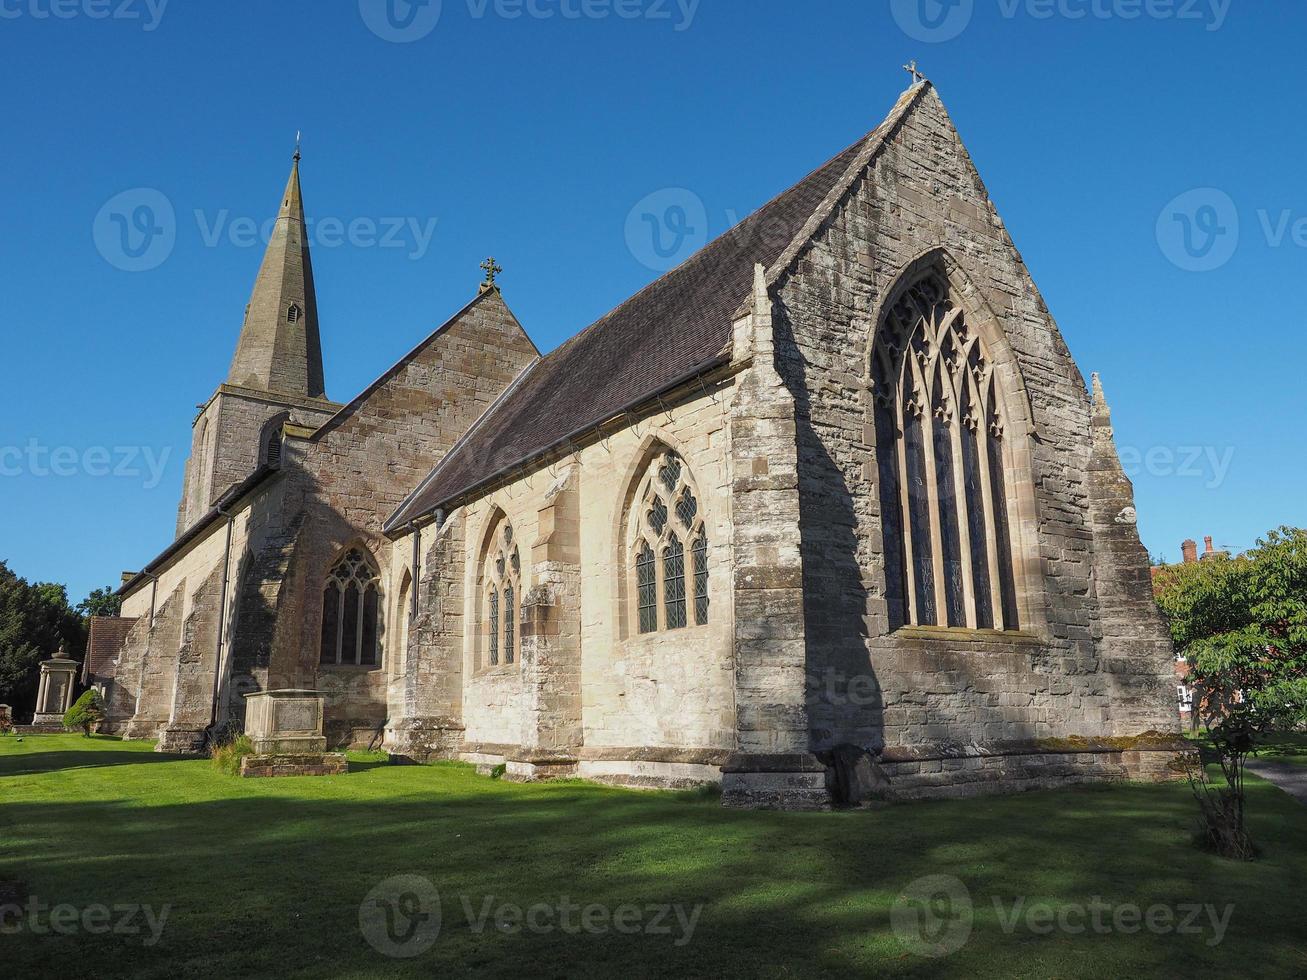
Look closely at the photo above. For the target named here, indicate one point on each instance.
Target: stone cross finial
(911, 69)
(492, 269)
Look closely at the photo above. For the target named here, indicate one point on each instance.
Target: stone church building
(834, 488)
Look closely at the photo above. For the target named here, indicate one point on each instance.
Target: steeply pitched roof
(663, 335)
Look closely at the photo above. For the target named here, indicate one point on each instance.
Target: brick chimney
(1208, 541)
(1190, 550)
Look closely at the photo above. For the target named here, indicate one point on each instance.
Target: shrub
(498, 771)
(227, 757)
(86, 713)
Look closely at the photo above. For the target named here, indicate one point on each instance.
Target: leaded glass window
(351, 612)
(940, 463)
(501, 575)
(667, 513)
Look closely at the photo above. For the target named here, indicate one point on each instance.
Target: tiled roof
(660, 337)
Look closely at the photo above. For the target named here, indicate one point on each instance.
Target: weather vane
(298, 134)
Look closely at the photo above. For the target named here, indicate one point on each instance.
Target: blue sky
(531, 131)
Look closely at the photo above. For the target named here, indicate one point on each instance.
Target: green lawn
(266, 877)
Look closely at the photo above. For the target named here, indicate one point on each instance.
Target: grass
(265, 877)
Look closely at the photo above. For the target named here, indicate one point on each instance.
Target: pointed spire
(279, 348)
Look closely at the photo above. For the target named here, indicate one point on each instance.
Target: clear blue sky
(533, 137)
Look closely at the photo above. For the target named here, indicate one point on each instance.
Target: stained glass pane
(700, 552)
(349, 634)
(674, 583)
(686, 508)
(492, 625)
(510, 624)
(670, 472)
(330, 624)
(658, 515)
(950, 548)
(368, 650)
(646, 590)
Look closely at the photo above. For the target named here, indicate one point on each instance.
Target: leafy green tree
(1242, 625)
(34, 620)
(101, 602)
(86, 713)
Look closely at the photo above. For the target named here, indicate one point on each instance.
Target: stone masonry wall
(938, 687)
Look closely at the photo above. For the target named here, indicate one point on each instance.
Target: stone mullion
(932, 494)
(913, 615)
(962, 506)
(987, 495)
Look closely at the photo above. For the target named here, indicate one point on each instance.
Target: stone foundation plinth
(424, 739)
(1045, 764)
(535, 766)
(182, 741)
(311, 764)
(775, 782)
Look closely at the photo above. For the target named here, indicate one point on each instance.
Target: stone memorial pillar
(55, 695)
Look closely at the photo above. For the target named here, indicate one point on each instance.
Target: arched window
(664, 517)
(939, 449)
(501, 583)
(293, 314)
(351, 601)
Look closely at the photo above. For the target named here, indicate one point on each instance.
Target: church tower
(275, 376)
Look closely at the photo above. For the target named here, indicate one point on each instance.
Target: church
(833, 489)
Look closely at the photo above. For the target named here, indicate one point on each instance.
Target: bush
(498, 771)
(227, 758)
(86, 713)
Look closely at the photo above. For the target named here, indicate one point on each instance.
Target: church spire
(279, 349)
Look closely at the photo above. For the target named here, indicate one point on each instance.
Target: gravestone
(55, 694)
(286, 729)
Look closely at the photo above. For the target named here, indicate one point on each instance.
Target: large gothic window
(501, 585)
(939, 449)
(351, 601)
(668, 549)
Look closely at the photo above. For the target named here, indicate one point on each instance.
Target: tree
(86, 713)
(1242, 625)
(101, 602)
(34, 620)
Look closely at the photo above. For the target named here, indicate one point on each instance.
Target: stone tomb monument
(286, 729)
(55, 695)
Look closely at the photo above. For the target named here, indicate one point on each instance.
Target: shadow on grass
(31, 763)
(272, 880)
